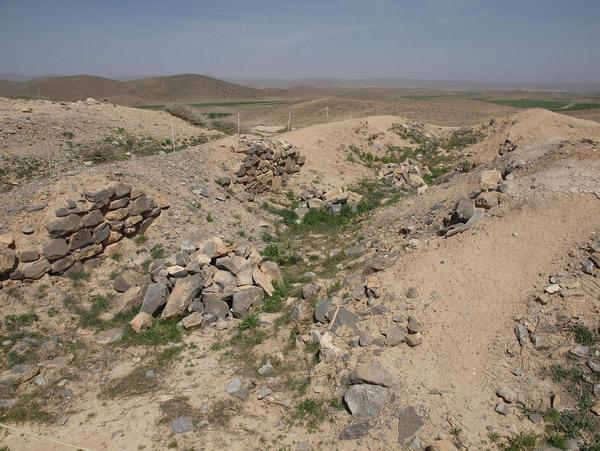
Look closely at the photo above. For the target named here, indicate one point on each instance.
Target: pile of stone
(470, 209)
(408, 174)
(332, 200)
(203, 283)
(268, 165)
(80, 231)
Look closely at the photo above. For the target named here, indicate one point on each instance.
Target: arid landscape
(300, 226)
(408, 273)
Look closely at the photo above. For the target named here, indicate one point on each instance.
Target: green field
(552, 105)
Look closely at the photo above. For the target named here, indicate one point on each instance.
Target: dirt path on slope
(470, 288)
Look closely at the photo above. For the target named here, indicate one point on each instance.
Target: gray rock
(215, 306)
(101, 233)
(80, 239)
(234, 265)
(141, 205)
(412, 293)
(297, 312)
(595, 367)
(588, 267)
(236, 389)
(522, 334)
(155, 297)
(463, 211)
(266, 370)
(99, 196)
(371, 373)
(181, 425)
(28, 255)
(409, 422)
(8, 403)
(322, 307)
(378, 263)
(27, 229)
(125, 280)
(263, 392)
(246, 298)
(394, 335)
(580, 351)
(93, 218)
(502, 408)
(507, 394)
(413, 325)
(183, 293)
(310, 290)
(62, 264)
(344, 322)
(36, 269)
(366, 401)
(356, 430)
(64, 226)
(55, 249)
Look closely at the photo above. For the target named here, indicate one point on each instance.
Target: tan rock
(141, 322)
(262, 280)
(489, 180)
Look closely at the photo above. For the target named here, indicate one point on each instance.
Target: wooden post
(172, 134)
(289, 127)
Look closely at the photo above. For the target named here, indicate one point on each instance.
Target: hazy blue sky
(479, 40)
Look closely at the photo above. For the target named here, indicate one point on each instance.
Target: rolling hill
(185, 87)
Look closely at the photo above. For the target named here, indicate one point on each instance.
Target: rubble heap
(268, 165)
(202, 283)
(409, 173)
(470, 209)
(333, 200)
(80, 231)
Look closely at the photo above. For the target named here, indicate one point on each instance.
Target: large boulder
(183, 293)
(463, 211)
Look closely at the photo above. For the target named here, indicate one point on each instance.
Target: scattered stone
(394, 335)
(522, 334)
(409, 422)
(155, 297)
(413, 340)
(356, 430)
(366, 401)
(181, 425)
(110, 336)
(237, 390)
(588, 267)
(489, 180)
(343, 322)
(580, 351)
(310, 290)
(263, 392)
(322, 307)
(507, 394)
(371, 373)
(502, 408)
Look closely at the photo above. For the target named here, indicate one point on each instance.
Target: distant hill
(174, 88)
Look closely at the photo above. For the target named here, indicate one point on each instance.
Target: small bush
(186, 113)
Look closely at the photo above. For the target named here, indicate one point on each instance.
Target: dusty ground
(471, 288)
